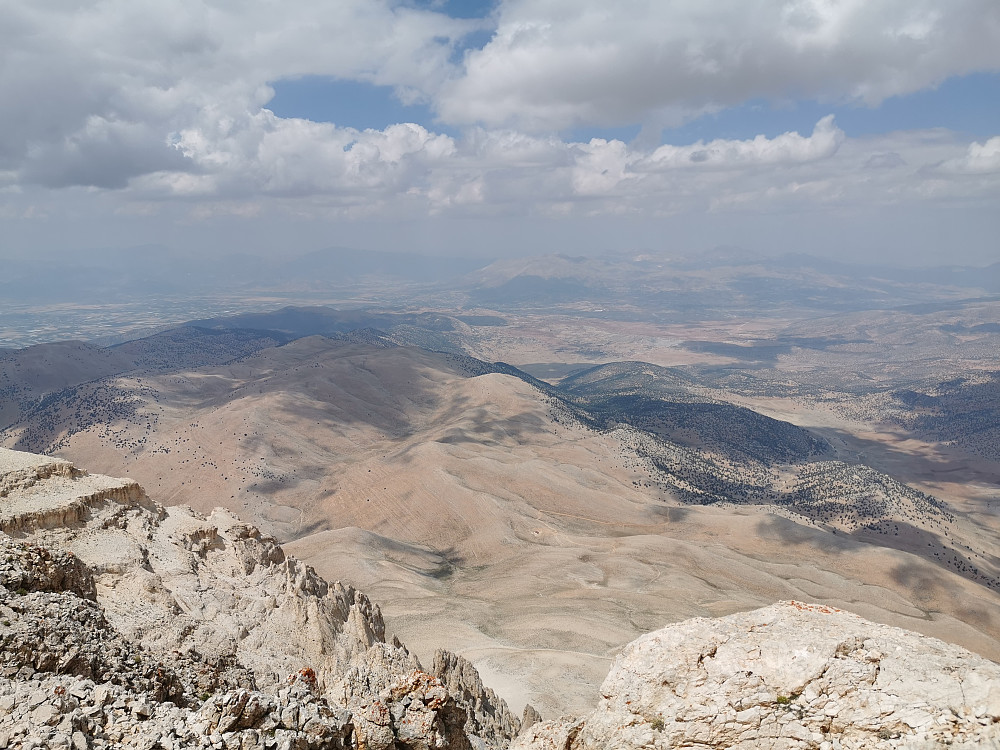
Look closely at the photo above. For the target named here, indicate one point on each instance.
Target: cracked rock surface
(125, 625)
(788, 676)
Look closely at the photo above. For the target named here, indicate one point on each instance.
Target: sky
(861, 129)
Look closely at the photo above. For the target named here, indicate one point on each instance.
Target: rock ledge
(789, 676)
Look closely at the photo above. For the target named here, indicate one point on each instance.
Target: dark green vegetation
(964, 411)
(629, 379)
(730, 430)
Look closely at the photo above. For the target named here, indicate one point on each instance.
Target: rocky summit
(126, 624)
(789, 676)
(123, 624)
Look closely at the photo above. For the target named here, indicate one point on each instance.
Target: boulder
(790, 676)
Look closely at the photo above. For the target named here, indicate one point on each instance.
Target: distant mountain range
(642, 279)
(648, 287)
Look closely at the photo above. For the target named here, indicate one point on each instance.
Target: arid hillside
(481, 510)
(129, 625)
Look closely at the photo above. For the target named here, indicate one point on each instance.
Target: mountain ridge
(468, 481)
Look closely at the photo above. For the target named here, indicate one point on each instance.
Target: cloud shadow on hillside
(905, 466)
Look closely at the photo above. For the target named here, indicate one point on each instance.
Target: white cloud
(789, 148)
(600, 166)
(554, 64)
(518, 174)
(981, 158)
(231, 164)
(264, 155)
(92, 91)
(160, 103)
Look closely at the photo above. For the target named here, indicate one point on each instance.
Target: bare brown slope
(481, 516)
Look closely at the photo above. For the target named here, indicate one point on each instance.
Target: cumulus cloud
(981, 158)
(600, 166)
(789, 148)
(503, 172)
(887, 160)
(554, 64)
(262, 154)
(167, 102)
(92, 92)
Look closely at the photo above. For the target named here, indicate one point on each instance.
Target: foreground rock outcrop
(124, 625)
(787, 676)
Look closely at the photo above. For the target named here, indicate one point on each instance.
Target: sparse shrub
(783, 700)
(657, 724)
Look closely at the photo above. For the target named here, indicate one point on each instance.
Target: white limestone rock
(789, 676)
(124, 625)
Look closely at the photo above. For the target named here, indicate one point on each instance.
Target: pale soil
(483, 525)
(559, 608)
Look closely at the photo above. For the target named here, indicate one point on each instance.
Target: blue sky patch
(459, 8)
(969, 105)
(352, 104)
